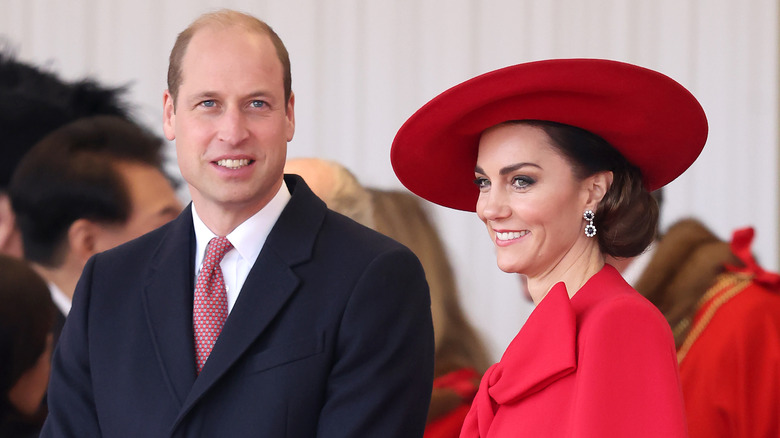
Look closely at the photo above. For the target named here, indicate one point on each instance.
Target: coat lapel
(544, 351)
(167, 300)
(270, 284)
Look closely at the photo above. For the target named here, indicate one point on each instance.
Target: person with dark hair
(26, 318)
(258, 311)
(84, 188)
(557, 158)
(34, 102)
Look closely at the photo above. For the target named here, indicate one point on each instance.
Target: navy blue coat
(331, 336)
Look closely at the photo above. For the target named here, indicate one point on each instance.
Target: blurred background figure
(26, 318)
(85, 188)
(460, 357)
(724, 310)
(335, 185)
(34, 102)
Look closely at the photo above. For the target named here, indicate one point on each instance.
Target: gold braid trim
(725, 288)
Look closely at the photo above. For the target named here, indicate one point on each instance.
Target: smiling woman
(564, 154)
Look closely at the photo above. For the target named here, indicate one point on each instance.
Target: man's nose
(233, 126)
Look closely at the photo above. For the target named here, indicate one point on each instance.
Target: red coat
(602, 364)
(730, 361)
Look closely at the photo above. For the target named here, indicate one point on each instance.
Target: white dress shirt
(247, 240)
(62, 301)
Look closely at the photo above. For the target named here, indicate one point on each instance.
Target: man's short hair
(34, 102)
(225, 18)
(70, 174)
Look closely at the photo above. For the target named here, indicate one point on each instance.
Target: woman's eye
(482, 183)
(521, 182)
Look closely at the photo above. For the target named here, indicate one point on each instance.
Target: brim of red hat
(653, 121)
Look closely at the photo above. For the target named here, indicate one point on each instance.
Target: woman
(564, 154)
(26, 320)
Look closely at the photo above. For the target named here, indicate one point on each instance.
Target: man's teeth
(509, 235)
(233, 164)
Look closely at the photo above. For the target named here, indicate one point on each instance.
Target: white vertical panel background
(361, 67)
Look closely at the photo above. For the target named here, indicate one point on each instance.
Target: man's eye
(257, 104)
(208, 103)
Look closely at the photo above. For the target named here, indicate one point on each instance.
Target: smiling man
(258, 311)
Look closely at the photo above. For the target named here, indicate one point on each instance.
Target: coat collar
(543, 352)
(270, 283)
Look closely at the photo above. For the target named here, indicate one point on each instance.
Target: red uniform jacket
(730, 360)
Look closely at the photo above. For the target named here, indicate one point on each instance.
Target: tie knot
(217, 248)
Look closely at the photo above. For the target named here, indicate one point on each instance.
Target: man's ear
(82, 239)
(290, 114)
(169, 116)
(10, 240)
(596, 187)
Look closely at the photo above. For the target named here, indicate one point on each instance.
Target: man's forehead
(228, 49)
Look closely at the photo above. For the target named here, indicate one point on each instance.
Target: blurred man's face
(153, 203)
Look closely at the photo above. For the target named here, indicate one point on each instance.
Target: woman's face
(530, 200)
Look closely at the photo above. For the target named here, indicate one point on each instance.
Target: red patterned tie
(209, 310)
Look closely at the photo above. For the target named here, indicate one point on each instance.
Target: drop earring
(590, 229)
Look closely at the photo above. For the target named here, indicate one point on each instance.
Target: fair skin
(153, 203)
(532, 204)
(231, 124)
(10, 238)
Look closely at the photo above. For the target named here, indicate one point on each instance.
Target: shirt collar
(61, 300)
(249, 237)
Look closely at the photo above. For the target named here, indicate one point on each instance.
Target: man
(87, 187)
(34, 102)
(304, 322)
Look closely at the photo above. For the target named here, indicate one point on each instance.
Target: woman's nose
(492, 205)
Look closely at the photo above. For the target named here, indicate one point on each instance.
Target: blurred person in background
(26, 319)
(34, 102)
(87, 187)
(724, 311)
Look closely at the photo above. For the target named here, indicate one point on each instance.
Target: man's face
(153, 203)
(230, 121)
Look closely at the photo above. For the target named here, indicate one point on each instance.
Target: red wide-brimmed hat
(653, 121)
